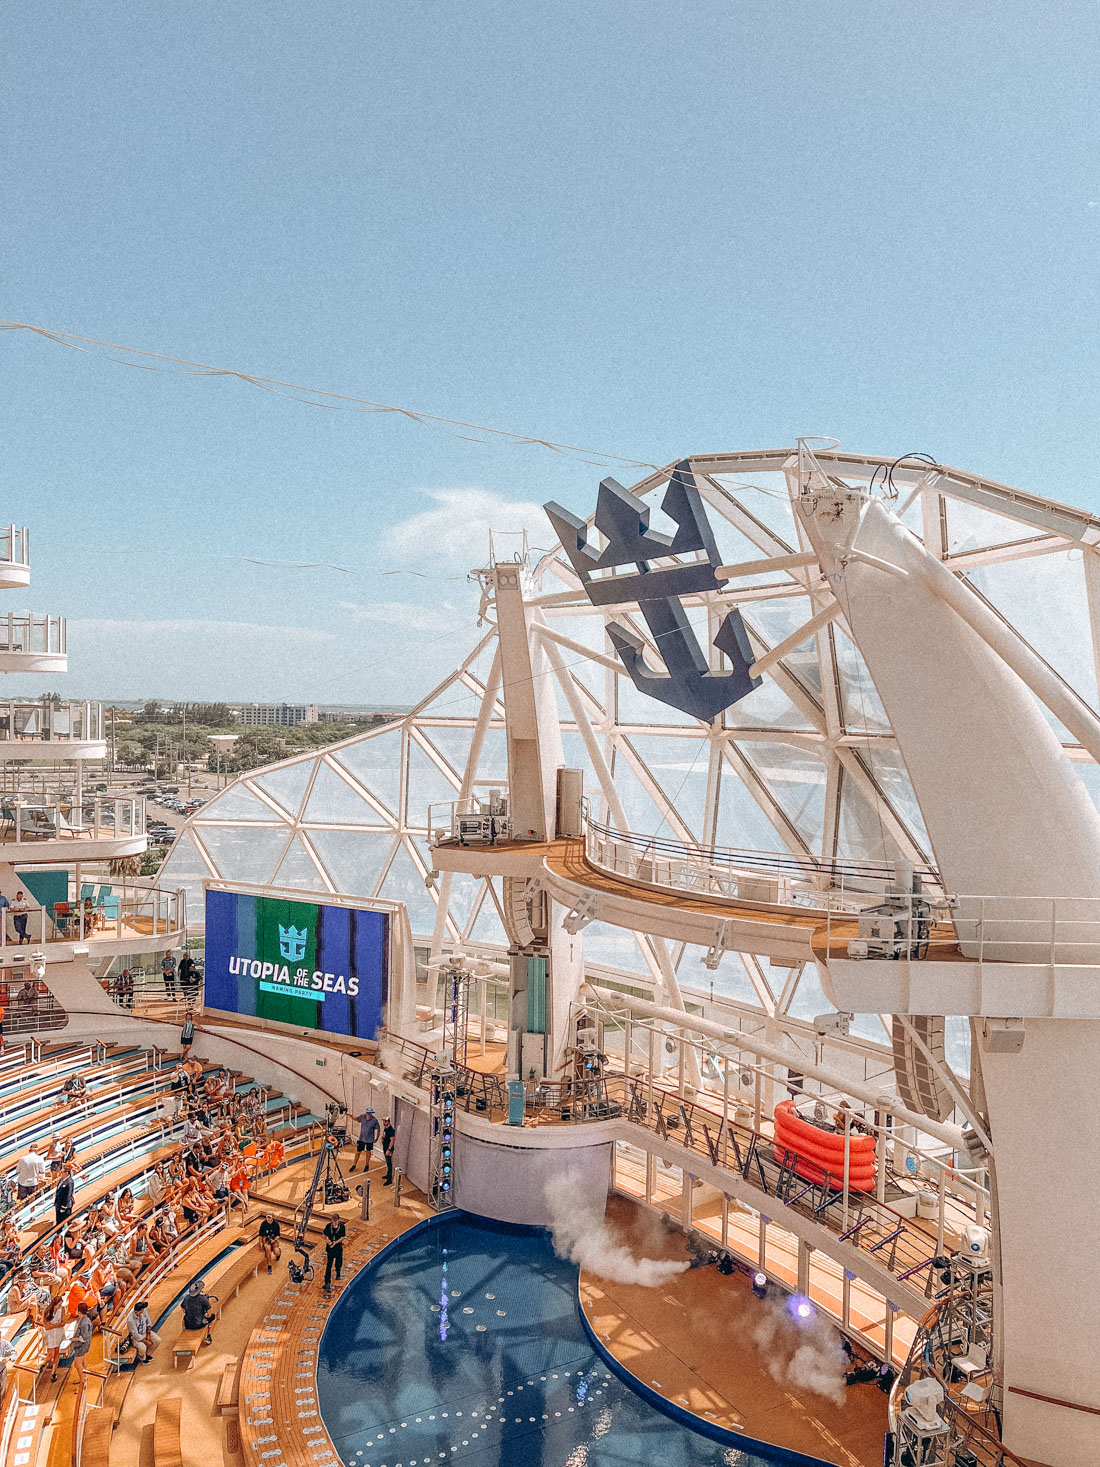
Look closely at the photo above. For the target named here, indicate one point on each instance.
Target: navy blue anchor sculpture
(623, 519)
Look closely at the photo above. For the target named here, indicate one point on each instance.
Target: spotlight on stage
(760, 1285)
(800, 1309)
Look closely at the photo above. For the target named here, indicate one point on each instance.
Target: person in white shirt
(141, 1330)
(7, 1352)
(30, 1173)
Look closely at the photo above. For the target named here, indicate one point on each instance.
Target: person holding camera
(335, 1233)
(270, 1239)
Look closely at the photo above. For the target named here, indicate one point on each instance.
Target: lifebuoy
(818, 1155)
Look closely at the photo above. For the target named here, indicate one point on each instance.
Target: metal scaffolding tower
(441, 1133)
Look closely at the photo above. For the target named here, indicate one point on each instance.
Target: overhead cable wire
(341, 402)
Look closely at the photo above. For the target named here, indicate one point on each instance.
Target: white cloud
(402, 614)
(456, 529)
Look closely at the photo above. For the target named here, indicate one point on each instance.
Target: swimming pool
(464, 1342)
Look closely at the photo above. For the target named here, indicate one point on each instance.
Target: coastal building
(276, 715)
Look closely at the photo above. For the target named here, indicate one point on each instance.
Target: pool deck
(691, 1341)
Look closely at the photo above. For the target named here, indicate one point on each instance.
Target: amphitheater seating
(227, 1402)
(119, 1136)
(167, 1446)
(96, 1447)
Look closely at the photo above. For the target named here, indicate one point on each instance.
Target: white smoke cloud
(580, 1233)
(806, 1354)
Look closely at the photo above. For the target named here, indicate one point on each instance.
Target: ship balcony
(43, 731)
(15, 557)
(50, 828)
(33, 642)
(96, 921)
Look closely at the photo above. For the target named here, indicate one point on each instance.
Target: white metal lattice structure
(807, 763)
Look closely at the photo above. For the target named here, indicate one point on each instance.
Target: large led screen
(302, 963)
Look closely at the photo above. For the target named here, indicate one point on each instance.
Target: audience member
(142, 1335)
(30, 1172)
(197, 1310)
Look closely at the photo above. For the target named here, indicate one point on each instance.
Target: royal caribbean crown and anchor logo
(292, 943)
(623, 519)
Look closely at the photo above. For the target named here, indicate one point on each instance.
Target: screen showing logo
(292, 943)
(303, 963)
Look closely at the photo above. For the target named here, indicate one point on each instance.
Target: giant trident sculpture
(623, 518)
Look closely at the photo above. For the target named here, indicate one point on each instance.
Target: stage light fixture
(760, 1285)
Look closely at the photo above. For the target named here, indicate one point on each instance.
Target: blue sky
(651, 228)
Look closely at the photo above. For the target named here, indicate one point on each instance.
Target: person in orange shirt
(238, 1188)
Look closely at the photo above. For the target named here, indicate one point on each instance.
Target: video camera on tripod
(335, 1122)
(328, 1181)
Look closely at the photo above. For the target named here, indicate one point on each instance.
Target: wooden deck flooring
(697, 1340)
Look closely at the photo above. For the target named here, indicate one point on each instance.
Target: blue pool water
(464, 1343)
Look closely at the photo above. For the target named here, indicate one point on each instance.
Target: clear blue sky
(654, 228)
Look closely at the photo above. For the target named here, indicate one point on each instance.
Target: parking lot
(164, 820)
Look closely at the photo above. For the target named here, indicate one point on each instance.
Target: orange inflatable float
(818, 1155)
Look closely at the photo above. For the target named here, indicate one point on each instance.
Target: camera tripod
(328, 1180)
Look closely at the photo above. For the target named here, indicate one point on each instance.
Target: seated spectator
(142, 1335)
(160, 1240)
(198, 1312)
(117, 1254)
(141, 1249)
(27, 1295)
(74, 1090)
(156, 1185)
(57, 1154)
(104, 1280)
(47, 1267)
(169, 1228)
(80, 1293)
(194, 1164)
(218, 1179)
(108, 1216)
(124, 989)
(75, 1251)
(94, 1231)
(7, 1194)
(196, 1206)
(30, 1172)
(11, 1250)
(125, 1207)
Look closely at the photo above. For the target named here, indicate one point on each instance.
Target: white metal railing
(115, 913)
(145, 990)
(45, 721)
(26, 820)
(1014, 929)
(32, 631)
(15, 545)
(751, 876)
